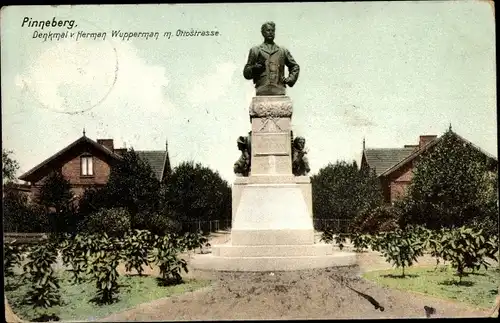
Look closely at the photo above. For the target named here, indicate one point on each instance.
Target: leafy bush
(466, 248)
(75, 255)
(432, 244)
(165, 256)
(113, 222)
(401, 248)
(21, 216)
(137, 245)
(327, 235)
(380, 219)
(361, 242)
(103, 269)
(12, 257)
(340, 239)
(192, 241)
(44, 287)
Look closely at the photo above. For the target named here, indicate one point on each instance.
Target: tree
(55, 192)
(451, 186)
(9, 167)
(21, 216)
(195, 192)
(341, 190)
(132, 185)
(57, 198)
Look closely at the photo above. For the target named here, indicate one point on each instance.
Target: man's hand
(258, 66)
(285, 80)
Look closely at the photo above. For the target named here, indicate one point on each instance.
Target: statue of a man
(266, 65)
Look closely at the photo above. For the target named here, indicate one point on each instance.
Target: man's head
(299, 143)
(267, 30)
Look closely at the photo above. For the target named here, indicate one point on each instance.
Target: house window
(86, 166)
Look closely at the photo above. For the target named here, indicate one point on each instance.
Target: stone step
(259, 264)
(272, 250)
(272, 237)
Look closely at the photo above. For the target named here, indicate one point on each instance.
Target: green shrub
(401, 248)
(340, 239)
(113, 222)
(165, 256)
(44, 283)
(12, 257)
(361, 242)
(76, 255)
(103, 269)
(380, 219)
(465, 249)
(137, 245)
(327, 235)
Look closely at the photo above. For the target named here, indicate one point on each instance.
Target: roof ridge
(385, 148)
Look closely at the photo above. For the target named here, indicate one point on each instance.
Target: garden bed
(476, 289)
(77, 298)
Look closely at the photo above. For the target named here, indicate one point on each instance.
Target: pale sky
(386, 71)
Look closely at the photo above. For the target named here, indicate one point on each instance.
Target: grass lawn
(76, 297)
(477, 289)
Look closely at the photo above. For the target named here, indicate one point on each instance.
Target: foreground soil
(332, 293)
(313, 294)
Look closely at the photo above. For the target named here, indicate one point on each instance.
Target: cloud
(214, 85)
(104, 87)
(352, 114)
(72, 77)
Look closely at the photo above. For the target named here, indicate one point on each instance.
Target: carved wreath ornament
(271, 109)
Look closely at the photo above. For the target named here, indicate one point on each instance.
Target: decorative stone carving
(300, 163)
(242, 165)
(271, 106)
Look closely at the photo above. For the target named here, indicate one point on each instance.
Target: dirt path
(313, 294)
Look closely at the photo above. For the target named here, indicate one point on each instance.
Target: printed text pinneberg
(32, 23)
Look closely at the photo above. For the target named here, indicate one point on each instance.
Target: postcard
(252, 123)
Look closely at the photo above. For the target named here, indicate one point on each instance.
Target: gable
(82, 146)
(492, 161)
(156, 159)
(381, 159)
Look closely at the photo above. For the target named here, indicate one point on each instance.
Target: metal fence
(24, 237)
(206, 226)
(337, 225)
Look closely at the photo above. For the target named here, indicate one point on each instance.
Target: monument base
(273, 263)
(272, 222)
(272, 230)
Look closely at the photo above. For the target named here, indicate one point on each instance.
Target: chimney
(424, 140)
(120, 151)
(108, 143)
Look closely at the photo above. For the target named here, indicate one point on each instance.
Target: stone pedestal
(272, 224)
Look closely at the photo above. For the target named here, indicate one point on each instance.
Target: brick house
(87, 163)
(394, 166)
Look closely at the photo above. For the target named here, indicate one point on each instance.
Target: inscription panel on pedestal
(271, 165)
(277, 144)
